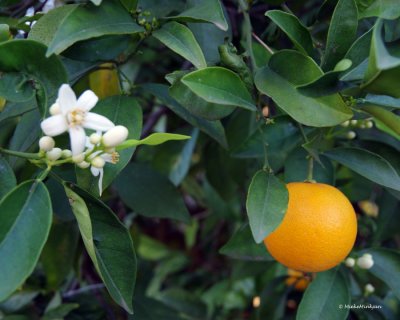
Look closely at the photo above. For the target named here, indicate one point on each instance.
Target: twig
(152, 120)
(262, 43)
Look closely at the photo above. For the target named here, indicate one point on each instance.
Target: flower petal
(95, 121)
(66, 98)
(95, 171)
(54, 125)
(77, 136)
(87, 100)
(101, 181)
(107, 157)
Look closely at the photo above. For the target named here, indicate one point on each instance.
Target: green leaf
(204, 11)
(196, 105)
(28, 58)
(279, 81)
(387, 117)
(367, 164)
(294, 29)
(207, 84)
(212, 128)
(386, 9)
(382, 101)
(266, 204)
(129, 5)
(15, 87)
(25, 206)
(384, 66)
(325, 298)
(152, 140)
(242, 246)
(151, 194)
(108, 244)
(124, 111)
(386, 267)
(341, 34)
(180, 39)
(85, 22)
(8, 180)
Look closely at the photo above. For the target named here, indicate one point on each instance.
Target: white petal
(95, 121)
(66, 98)
(107, 157)
(87, 100)
(101, 181)
(77, 136)
(54, 125)
(95, 171)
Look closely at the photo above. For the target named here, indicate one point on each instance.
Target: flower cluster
(72, 115)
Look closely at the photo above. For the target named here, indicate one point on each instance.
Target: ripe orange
(318, 230)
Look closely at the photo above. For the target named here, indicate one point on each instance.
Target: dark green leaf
(77, 23)
(266, 204)
(342, 33)
(124, 111)
(207, 84)
(325, 298)
(149, 193)
(294, 29)
(382, 101)
(108, 244)
(204, 11)
(28, 58)
(388, 118)
(129, 5)
(7, 180)
(386, 9)
(180, 39)
(213, 128)
(242, 246)
(279, 82)
(367, 164)
(25, 206)
(15, 87)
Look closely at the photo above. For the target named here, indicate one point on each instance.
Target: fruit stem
(310, 169)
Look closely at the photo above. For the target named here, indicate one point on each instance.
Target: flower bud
(115, 136)
(78, 158)
(369, 124)
(369, 208)
(66, 153)
(365, 262)
(98, 162)
(350, 135)
(46, 143)
(353, 122)
(350, 262)
(54, 154)
(369, 288)
(55, 109)
(345, 124)
(95, 138)
(83, 165)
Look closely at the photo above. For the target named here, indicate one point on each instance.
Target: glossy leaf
(242, 246)
(266, 204)
(204, 11)
(180, 39)
(108, 244)
(151, 194)
(279, 82)
(28, 58)
(86, 22)
(386, 267)
(367, 164)
(207, 84)
(152, 140)
(381, 100)
(387, 117)
(325, 298)
(7, 180)
(129, 5)
(124, 111)
(341, 34)
(294, 29)
(212, 128)
(15, 87)
(386, 9)
(25, 206)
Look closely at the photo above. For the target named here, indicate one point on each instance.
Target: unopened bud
(78, 158)
(345, 124)
(54, 154)
(369, 124)
(98, 162)
(46, 143)
(83, 165)
(66, 153)
(95, 138)
(115, 136)
(365, 262)
(369, 288)
(353, 122)
(350, 262)
(55, 109)
(350, 135)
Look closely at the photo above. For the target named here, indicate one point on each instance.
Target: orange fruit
(318, 230)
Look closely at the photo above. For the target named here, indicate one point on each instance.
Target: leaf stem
(20, 154)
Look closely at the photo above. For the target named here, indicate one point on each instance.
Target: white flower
(46, 143)
(115, 136)
(74, 117)
(98, 162)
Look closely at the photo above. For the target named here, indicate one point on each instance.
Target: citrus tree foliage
(201, 112)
